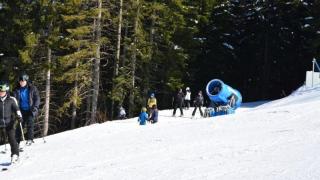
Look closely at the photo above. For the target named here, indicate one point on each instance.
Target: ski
(10, 165)
(8, 168)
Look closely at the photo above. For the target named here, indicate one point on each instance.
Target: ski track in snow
(275, 140)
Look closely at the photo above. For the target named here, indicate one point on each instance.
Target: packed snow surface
(276, 140)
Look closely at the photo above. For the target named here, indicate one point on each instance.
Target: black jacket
(178, 98)
(34, 96)
(199, 100)
(8, 105)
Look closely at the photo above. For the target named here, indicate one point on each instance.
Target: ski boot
(14, 159)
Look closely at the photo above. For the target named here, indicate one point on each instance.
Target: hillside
(276, 140)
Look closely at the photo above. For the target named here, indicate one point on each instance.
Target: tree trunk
(117, 61)
(134, 59)
(47, 98)
(96, 68)
(147, 76)
(88, 111)
(74, 103)
(125, 46)
(118, 40)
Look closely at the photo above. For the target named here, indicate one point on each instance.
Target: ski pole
(22, 131)
(5, 139)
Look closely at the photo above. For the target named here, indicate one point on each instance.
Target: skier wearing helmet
(9, 104)
(29, 100)
(187, 98)
(151, 101)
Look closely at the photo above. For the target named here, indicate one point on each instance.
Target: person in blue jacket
(143, 117)
(28, 99)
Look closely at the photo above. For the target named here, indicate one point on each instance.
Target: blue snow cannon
(224, 99)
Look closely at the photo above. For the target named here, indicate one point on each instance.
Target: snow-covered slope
(277, 140)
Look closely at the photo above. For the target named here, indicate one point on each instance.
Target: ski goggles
(24, 78)
(4, 88)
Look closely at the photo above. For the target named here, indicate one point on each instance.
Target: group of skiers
(181, 100)
(25, 104)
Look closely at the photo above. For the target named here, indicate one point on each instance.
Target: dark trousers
(12, 139)
(27, 120)
(187, 104)
(176, 105)
(195, 109)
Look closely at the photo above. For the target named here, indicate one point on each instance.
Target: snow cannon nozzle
(221, 94)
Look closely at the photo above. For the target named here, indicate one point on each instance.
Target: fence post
(313, 62)
(317, 65)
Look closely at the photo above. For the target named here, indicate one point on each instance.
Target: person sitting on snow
(143, 117)
(153, 114)
(122, 113)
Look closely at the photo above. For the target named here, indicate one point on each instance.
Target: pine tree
(77, 52)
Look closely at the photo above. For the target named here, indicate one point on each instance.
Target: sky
(263, 140)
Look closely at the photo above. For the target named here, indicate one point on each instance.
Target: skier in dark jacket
(29, 100)
(198, 102)
(8, 105)
(177, 101)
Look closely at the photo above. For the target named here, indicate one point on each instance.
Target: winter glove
(34, 111)
(19, 116)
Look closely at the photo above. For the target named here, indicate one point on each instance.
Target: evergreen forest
(88, 57)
